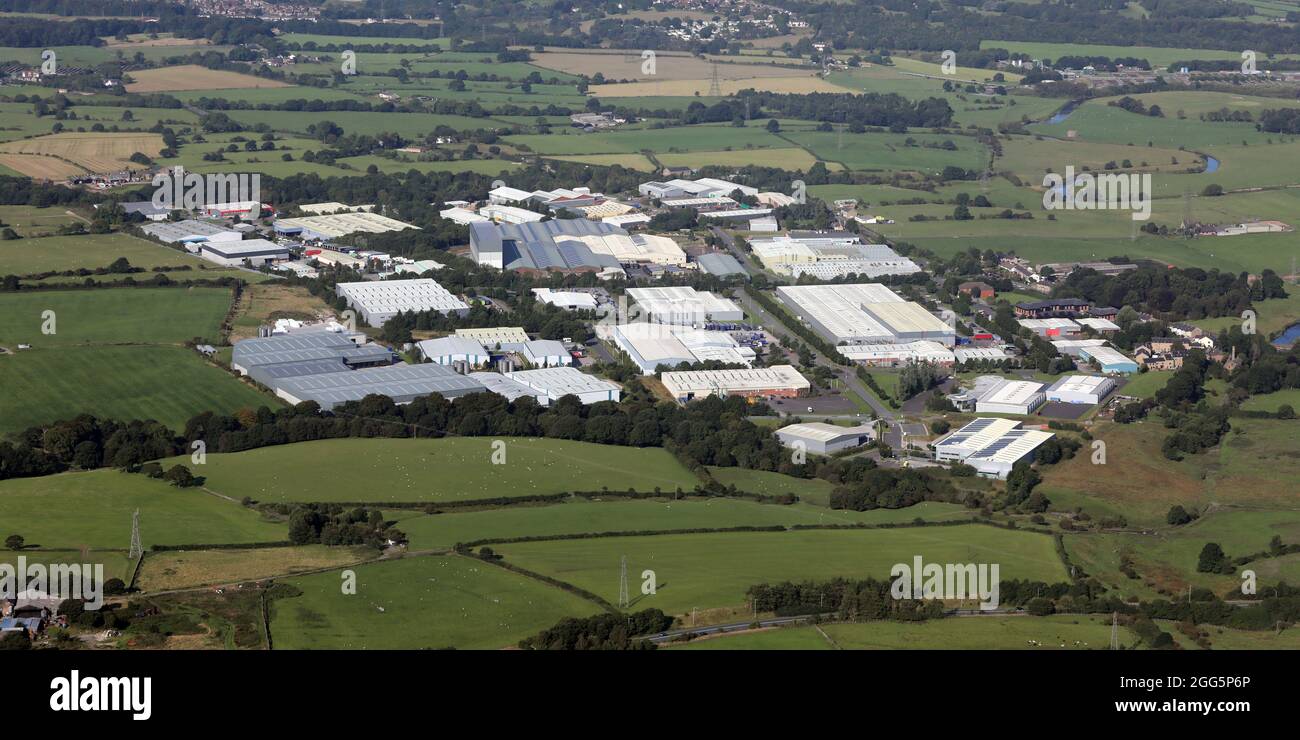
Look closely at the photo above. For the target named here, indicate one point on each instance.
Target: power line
(624, 601)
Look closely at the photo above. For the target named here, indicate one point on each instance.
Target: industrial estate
(663, 325)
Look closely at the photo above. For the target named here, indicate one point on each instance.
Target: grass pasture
(174, 569)
(445, 530)
(1055, 632)
(91, 251)
(714, 570)
(194, 77)
(93, 509)
(421, 602)
(112, 316)
(393, 470)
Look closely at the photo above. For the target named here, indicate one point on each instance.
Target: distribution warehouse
(824, 439)
(864, 313)
(991, 446)
(762, 382)
(1089, 389)
(682, 305)
(651, 345)
(380, 300)
(1011, 397)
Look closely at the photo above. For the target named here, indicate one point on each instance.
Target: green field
(1256, 466)
(438, 470)
(112, 316)
(90, 251)
(714, 570)
(445, 530)
(1157, 56)
(815, 490)
(93, 509)
(169, 384)
(1167, 563)
(1056, 632)
(415, 603)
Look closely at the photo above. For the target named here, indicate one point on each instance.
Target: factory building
(253, 252)
(892, 355)
(250, 354)
(1011, 397)
(778, 381)
(720, 264)
(402, 383)
(512, 390)
(339, 224)
(566, 299)
(991, 446)
(684, 305)
(379, 301)
(651, 345)
(1052, 328)
(494, 336)
(540, 352)
(829, 256)
(864, 313)
(1085, 389)
(188, 232)
(1111, 360)
(453, 350)
(556, 382)
(824, 439)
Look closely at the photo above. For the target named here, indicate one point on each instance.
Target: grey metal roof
(270, 375)
(503, 386)
(719, 263)
(532, 245)
(402, 383)
(302, 347)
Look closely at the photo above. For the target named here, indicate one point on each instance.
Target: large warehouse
(829, 256)
(683, 305)
(781, 381)
(254, 252)
(380, 300)
(300, 347)
(651, 345)
(1111, 360)
(402, 383)
(451, 350)
(1087, 389)
(339, 224)
(1011, 397)
(567, 244)
(825, 439)
(557, 382)
(864, 313)
(991, 446)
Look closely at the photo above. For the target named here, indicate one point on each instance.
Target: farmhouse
(253, 252)
(380, 301)
(991, 446)
(824, 439)
(864, 313)
(557, 382)
(684, 305)
(1085, 389)
(778, 381)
